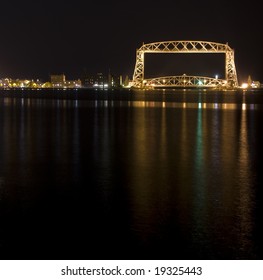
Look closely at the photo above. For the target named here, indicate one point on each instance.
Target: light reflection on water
(142, 177)
(118, 103)
(245, 181)
(186, 105)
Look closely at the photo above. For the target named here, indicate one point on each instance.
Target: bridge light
(200, 83)
(163, 80)
(216, 76)
(244, 85)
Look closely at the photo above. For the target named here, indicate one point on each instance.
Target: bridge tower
(185, 47)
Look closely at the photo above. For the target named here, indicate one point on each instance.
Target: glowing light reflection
(244, 106)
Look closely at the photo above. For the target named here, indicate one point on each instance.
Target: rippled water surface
(131, 175)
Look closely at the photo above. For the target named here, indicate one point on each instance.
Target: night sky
(39, 38)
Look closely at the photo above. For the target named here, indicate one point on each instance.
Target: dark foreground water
(131, 175)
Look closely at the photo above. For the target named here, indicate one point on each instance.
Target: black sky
(39, 38)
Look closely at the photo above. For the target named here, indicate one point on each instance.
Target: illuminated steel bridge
(230, 80)
(184, 81)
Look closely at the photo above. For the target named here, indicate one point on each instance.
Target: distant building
(72, 84)
(255, 84)
(98, 80)
(20, 83)
(251, 84)
(249, 81)
(58, 80)
(126, 81)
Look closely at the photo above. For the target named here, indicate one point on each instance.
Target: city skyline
(131, 131)
(52, 38)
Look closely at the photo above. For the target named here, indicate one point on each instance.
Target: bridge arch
(184, 81)
(185, 47)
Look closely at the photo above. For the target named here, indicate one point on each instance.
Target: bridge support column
(138, 75)
(231, 74)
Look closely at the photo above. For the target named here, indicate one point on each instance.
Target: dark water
(131, 175)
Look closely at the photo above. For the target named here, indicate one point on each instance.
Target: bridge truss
(185, 47)
(184, 81)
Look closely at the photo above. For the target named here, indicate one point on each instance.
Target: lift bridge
(230, 80)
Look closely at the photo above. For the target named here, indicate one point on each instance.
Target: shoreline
(169, 95)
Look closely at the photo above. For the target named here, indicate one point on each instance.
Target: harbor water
(124, 174)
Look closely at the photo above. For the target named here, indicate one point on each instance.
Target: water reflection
(199, 211)
(246, 193)
(199, 103)
(142, 176)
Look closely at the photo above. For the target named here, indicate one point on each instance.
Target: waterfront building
(72, 84)
(57, 80)
(20, 83)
